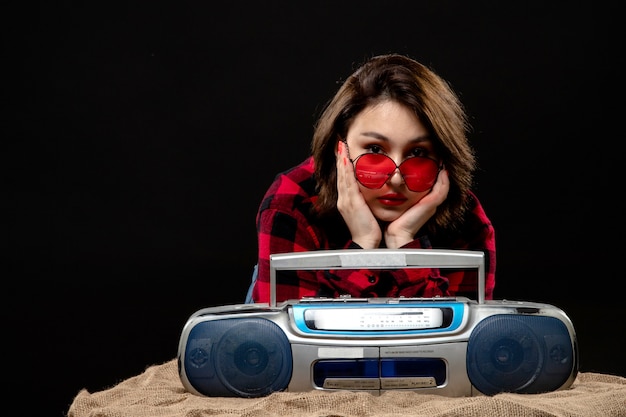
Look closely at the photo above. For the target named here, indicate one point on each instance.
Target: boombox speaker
(452, 346)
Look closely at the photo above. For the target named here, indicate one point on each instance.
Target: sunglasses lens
(420, 174)
(373, 170)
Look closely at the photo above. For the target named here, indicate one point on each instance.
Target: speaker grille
(518, 353)
(245, 357)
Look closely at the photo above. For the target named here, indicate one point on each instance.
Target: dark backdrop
(141, 138)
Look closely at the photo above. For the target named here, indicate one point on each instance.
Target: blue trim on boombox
(458, 310)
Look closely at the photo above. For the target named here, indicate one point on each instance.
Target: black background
(141, 137)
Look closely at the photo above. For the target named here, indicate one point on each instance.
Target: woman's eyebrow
(380, 136)
(376, 135)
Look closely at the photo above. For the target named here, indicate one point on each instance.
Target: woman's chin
(387, 215)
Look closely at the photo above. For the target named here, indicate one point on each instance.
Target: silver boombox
(453, 346)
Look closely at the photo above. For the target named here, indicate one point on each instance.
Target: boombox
(453, 346)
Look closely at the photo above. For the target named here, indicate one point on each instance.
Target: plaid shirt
(285, 224)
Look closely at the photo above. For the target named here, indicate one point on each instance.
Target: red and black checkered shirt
(286, 223)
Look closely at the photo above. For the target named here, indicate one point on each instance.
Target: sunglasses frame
(397, 167)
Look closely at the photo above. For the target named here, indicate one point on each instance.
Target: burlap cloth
(158, 391)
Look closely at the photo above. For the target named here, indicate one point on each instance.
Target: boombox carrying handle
(378, 259)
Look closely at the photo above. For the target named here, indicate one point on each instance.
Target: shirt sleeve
(479, 235)
(281, 232)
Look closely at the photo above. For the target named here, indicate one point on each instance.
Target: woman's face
(394, 130)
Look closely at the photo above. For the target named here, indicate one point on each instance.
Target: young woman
(390, 167)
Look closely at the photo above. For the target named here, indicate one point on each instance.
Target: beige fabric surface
(158, 391)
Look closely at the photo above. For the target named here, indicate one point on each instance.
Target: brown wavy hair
(401, 79)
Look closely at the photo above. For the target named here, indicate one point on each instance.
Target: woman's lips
(392, 199)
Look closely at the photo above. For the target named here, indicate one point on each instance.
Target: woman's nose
(396, 177)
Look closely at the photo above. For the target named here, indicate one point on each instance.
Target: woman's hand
(362, 224)
(402, 230)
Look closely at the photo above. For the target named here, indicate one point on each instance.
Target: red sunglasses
(373, 170)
